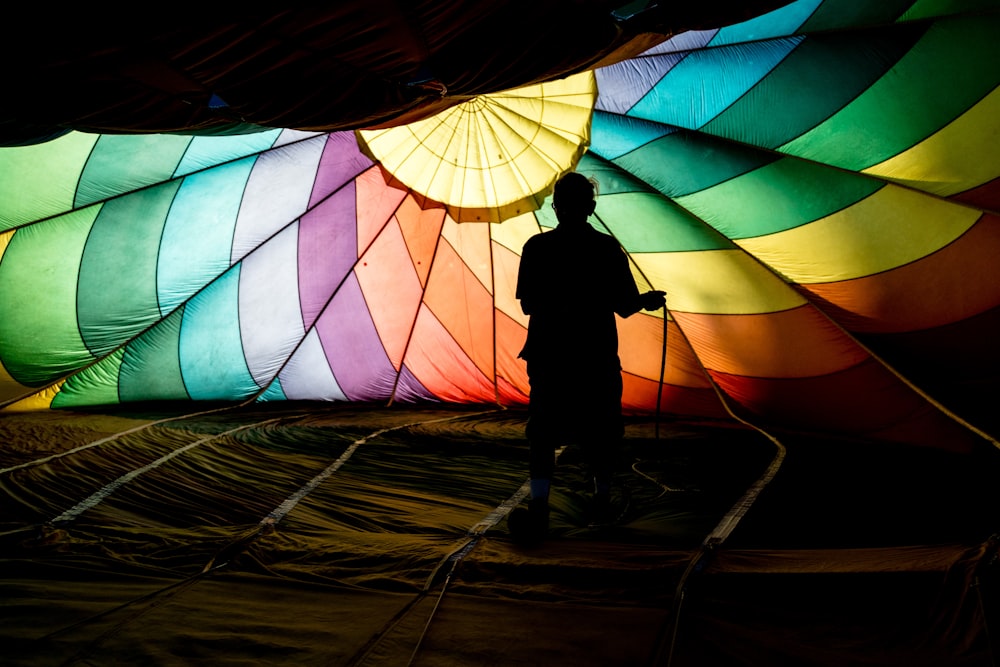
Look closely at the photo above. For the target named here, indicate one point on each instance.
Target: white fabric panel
(277, 193)
(270, 317)
(308, 376)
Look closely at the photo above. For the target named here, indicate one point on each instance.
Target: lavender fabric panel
(328, 250)
(410, 388)
(340, 164)
(622, 85)
(353, 347)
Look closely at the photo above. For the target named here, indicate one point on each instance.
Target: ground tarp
(333, 535)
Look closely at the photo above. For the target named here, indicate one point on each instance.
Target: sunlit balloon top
(816, 190)
(495, 156)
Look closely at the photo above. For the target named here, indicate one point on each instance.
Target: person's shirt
(571, 282)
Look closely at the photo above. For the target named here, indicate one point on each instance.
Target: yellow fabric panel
(955, 284)
(959, 157)
(9, 388)
(495, 155)
(716, 281)
(893, 227)
(40, 400)
(513, 232)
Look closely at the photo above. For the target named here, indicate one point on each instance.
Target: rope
(112, 437)
(663, 368)
(708, 546)
(225, 555)
(98, 496)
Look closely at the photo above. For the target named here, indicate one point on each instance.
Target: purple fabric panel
(410, 388)
(328, 248)
(353, 347)
(685, 41)
(623, 84)
(340, 164)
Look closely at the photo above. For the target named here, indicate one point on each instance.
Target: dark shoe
(530, 525)
(606, 510)
(601, 510)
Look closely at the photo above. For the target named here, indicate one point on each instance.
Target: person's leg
(604, 432)
(545, 426)
(603, 442)
(541, 458)
(543, 434)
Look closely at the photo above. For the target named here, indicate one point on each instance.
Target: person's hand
(653, 300)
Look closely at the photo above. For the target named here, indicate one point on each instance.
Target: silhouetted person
(571, 282)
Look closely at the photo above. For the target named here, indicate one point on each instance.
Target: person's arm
(653, 299)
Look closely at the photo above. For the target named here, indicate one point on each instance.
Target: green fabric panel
(274, 392)
(117, 296)
(831, 15)
(39, 337)
(611, 179)
(708, 81)
(821, 76)
(931, 8)
(782, 22)
(211, 346)
(198, 236)
(151, 369)
(642, 219)
(125, 163)
(950, 69)
(612, 135)
(214, 151)
(686, 162)
(96, 385)
(645, 223)
(37, 182)
(779, 196)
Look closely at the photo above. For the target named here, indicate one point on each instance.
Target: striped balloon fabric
(815, 189)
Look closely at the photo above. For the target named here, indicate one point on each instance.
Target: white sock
(540, 488)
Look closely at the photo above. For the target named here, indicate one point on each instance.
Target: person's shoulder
(607, 241)
(539, 239)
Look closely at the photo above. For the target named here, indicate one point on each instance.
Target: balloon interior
(260, 394)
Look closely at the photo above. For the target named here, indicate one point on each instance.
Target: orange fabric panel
(641, 350)
(392, 297)
(957, 282)
(421, 228)
(463, 306)
(510, 340)
(800, 342)
(865, 400)
(439, 362)
(639, 397)
(376, 203)
(505, 267)
(509, 395)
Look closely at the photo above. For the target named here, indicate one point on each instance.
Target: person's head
(574, 197)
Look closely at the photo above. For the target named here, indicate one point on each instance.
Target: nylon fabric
(331, 524)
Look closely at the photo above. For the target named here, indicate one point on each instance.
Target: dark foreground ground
(334, 535)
